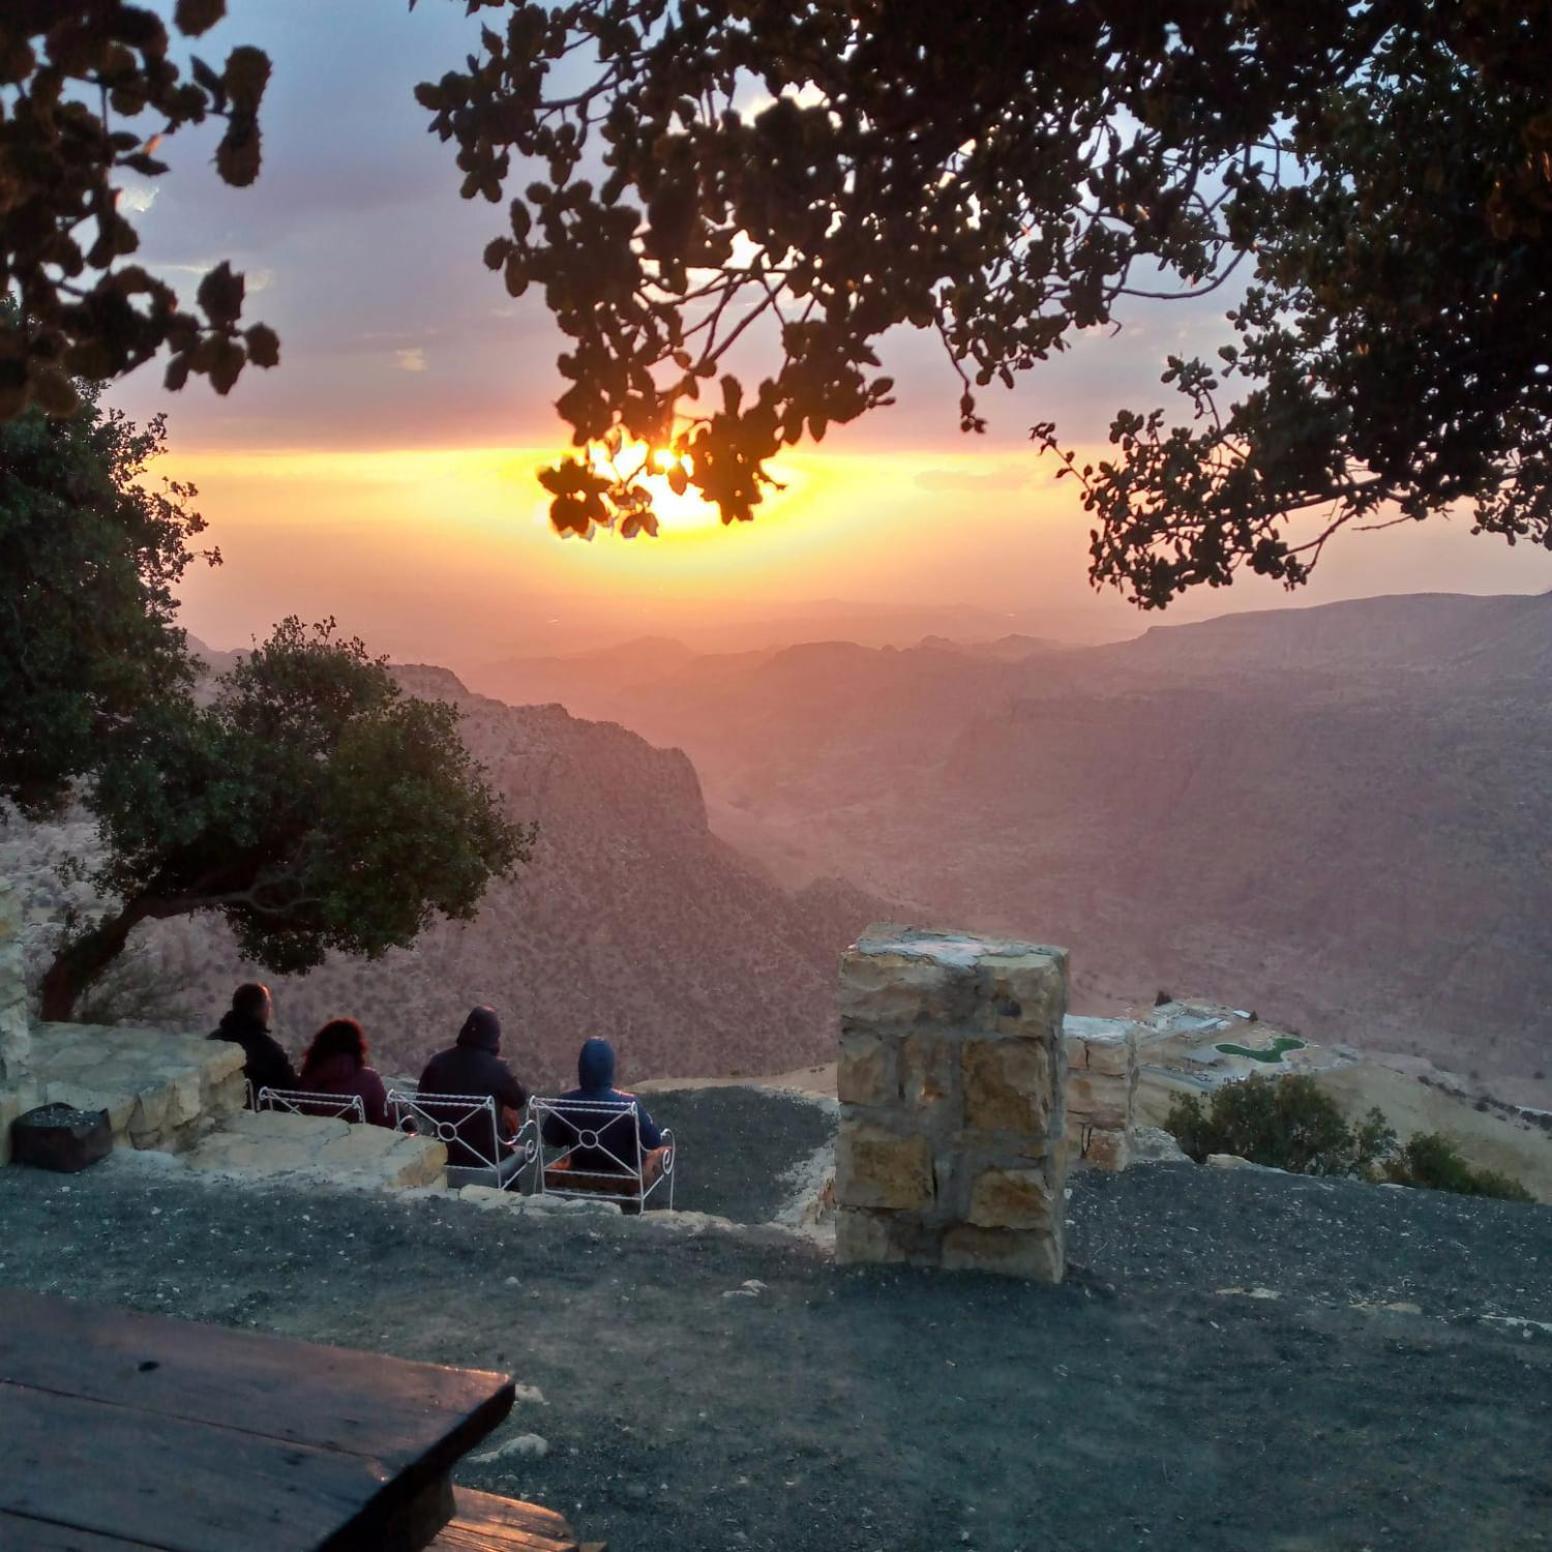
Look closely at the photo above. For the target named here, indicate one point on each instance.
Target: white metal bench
(474, 1121)
(343, 1107)
(587, 1162)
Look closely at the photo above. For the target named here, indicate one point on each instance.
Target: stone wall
(18, 1093)
(951, 1149)
(1101, 1090)
(161, 1090)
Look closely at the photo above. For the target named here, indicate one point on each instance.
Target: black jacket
(472, 1067)
(265, 1064)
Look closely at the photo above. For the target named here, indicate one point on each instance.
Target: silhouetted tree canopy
(87, 92)
(89, 555)
(681, 177)
(310, 803)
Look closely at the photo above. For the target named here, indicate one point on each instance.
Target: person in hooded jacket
(265, 1064)
(474, 1067)
(336, 1064)
(616, 1139)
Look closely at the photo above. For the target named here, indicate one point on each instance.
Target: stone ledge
(489, 1199)
(275, 1145)
(160, 1089)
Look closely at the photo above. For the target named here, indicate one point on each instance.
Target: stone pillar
(17, 1090)
(952, 1070)
(1101, 1090)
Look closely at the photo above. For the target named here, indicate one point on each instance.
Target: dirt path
(1137, 1406)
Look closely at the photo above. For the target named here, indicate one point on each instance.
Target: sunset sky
(383, 473)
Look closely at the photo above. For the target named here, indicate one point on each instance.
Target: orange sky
(383, 472)
(447, 554)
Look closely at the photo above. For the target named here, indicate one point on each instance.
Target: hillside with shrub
(633, 920)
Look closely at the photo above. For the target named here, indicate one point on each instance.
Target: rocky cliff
(633, 921)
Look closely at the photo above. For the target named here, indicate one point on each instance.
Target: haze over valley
(1337, 815)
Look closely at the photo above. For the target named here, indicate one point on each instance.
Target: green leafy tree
(1285, 1123)
(696, 175)
(90, 554)
(1433, 1162)
(88, 92)
(311, 804)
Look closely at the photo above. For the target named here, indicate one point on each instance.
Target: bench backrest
(593, 1146)
(469, 1120)
(344, 1107)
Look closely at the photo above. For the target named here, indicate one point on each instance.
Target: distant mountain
(1340, 814)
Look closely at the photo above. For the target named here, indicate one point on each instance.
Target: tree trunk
(83, 960)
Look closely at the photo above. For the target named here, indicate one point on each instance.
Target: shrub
(1290, 1123)
(1432, 1161)
(1285, 1123)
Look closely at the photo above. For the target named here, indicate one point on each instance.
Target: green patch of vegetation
(1432, 1161)
(1284, 1123)
(1290, 1123)
(1271, 1053)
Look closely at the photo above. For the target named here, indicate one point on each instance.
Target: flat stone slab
(274, 1145)
(155, 1085)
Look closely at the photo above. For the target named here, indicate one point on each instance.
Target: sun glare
(681, 515)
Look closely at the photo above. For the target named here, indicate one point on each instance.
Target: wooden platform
(486, 1523)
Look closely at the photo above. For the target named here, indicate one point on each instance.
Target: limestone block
(120, 1107)
(185, 1098)
(484, 1197)
(875, 1167)
(422, 1164)
(356, 1146)
(1035, 1255)
(1023, 991)
(1007, 1086)
(1115, 1058)
(1095, 1099)
(285, 1127)
(243, 1155)
(226, 1096)
(1107, 1045)
(13, 1102)
(866, 1237)
(1104, 1149)
(929, 1071)
(897, 990)
(1011, 1199)
(868, 1071)
(151, 1112)
(15, 1045)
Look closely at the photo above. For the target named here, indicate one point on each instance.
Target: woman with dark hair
(336, 1064)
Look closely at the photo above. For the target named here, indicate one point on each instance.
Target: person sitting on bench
(473, 1068)
(616, 1150)
(336, 1064)
(265, 1064)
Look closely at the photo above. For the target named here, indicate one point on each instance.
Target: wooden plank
(419, 1417)
(180, 1486)
(487, 1523)
(22, 1533)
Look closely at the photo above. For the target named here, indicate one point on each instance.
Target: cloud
(254, 280)
(1002, 477)
(413, 360)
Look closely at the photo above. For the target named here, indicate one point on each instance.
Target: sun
(679, 515)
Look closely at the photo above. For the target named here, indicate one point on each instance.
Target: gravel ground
(1140, 1405)
(737, 1144)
